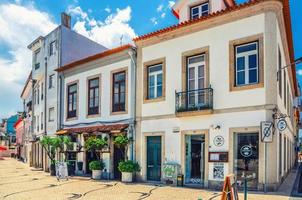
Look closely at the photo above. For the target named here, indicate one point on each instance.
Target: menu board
(218, 156)
(61, 170)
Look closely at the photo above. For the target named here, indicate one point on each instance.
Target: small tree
(95, 145)
(53, 144)
(122, 142)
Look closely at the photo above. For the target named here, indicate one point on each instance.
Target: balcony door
(196, 80)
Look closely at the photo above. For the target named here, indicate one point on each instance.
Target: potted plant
(128, 168)
(95, 145)
(96, 167)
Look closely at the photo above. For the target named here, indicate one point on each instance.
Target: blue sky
(93, 18)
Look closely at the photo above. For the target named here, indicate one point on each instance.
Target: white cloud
(20, 25)
(163, 15)
(109, 31)
(299, 72)
(108, 10)
(77, 11)
(154, 20)
(160, 8)
(171, 4)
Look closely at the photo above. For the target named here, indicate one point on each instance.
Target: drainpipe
(45, 97)
(132, 55)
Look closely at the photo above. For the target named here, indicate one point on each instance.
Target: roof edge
(94, 57)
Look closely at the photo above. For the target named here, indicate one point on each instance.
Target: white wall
(105, 91)
(217, 39)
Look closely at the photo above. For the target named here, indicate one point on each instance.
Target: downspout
(59, 83)
(45, 98)
(132, 55)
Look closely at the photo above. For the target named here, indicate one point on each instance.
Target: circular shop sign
(282, 125)
(246, 151)
(218, 141)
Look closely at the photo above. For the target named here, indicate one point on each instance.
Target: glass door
(194, 171)
(246, 165)
(196, 80)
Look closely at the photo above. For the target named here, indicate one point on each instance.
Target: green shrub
(95, 144)
(96, 165)
(121, 141)
(128, 166)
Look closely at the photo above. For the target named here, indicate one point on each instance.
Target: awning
(112, 128)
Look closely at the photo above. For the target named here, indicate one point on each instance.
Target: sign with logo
(218, 141)
(267, 130)
(246, 151)
(282, 125)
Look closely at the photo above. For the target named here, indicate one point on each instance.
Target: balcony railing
(194, 100)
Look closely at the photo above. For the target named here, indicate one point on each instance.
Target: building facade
(98, 101)
(205, 86)
(58, 48)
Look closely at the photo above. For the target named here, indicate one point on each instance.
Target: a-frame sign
(229, 191)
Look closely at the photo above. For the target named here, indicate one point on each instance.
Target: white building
(26, 97)
(205, 85)
(58, 48)
(99, 101)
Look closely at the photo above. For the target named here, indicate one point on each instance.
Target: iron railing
(194, 100)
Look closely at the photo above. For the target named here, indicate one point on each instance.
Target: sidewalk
(19, 182)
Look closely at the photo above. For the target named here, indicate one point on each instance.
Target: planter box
(96, 174)
(127, 177)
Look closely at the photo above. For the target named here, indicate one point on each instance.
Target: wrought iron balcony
(194, 100)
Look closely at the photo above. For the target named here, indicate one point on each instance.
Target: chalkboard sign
(61, 171)
(218, 156)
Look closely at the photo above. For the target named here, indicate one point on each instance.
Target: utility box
(170, 173)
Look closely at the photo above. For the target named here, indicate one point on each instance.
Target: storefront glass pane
(249, 166)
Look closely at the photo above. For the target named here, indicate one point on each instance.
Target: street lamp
(297, 61)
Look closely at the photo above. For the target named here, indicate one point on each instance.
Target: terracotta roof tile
(94, 57)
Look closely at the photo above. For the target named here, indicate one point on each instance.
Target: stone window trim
(87, 95)
(145, 82)
(195, 52)
(232, 45)
(124, 69)
(66, 101)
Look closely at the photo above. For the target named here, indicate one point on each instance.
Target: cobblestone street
(19, 182)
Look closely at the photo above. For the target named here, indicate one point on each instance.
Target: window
(41, 120)
(72, 101)
(155, 81)
(42, 93)
(279, 72)
(38, 96)
(200, 10)
(52, 48)
(35, 97)
(51, 116)
(119, 92)
(38, 122)
(50, 82)
(246, 63)
(247, 70)
(93, 96)
(36, 58)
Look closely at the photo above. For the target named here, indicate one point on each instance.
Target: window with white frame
(51, 114)
(155, 81)
(247, 64)
(52, 48)
(200, 10)
(50, 82)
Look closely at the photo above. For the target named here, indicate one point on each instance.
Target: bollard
(245, 188)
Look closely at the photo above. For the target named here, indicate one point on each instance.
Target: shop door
(195, 148)
(117, 157)
(249, 166)
(154, 158)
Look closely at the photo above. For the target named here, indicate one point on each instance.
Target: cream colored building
(205, 85)
(98, 101)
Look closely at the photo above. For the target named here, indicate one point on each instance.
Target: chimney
(65, 20)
